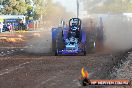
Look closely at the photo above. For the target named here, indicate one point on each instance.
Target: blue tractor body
(69, 40)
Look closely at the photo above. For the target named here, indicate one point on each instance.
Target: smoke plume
(118, 32)
(55, 13)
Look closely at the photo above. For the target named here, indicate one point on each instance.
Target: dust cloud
(117, 27)
(43, 43)
(118, 32)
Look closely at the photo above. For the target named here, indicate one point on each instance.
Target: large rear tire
(84, 53)
(56, 53)
(59, 43)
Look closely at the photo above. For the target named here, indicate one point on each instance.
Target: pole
(77, 8)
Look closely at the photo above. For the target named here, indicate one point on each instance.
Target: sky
(69, 4)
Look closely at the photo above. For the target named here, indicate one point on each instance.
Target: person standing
(10, 27)
(1, 27)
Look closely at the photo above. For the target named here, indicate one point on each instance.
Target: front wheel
(84, 53)
(56, 54)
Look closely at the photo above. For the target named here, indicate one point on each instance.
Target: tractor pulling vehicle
(69, 40)
(75, 39)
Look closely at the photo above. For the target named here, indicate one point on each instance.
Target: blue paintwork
(83, 37)
(65, 33)
(67, 52)
(55, 31)
(71, 43)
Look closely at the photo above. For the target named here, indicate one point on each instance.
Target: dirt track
(39, 71)
(23, 70)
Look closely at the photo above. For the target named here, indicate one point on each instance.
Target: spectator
(1, 27)
(21, 26)
(10, 27)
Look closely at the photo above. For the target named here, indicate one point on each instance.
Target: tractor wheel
(59, 43)
(56, 53)
(84, 49)
(84, 53)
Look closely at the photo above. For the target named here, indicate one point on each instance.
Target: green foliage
(24, 7)
(15, 7)
(1, 1)
(39, 9)
(29, 7)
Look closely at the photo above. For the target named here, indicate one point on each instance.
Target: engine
(71, 44)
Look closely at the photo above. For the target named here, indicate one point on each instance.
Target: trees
(40, 8)
(24, 7)
(1, 1)
(34, 9)
(14, 7)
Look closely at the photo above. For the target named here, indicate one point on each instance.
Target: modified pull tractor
(69, 40)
